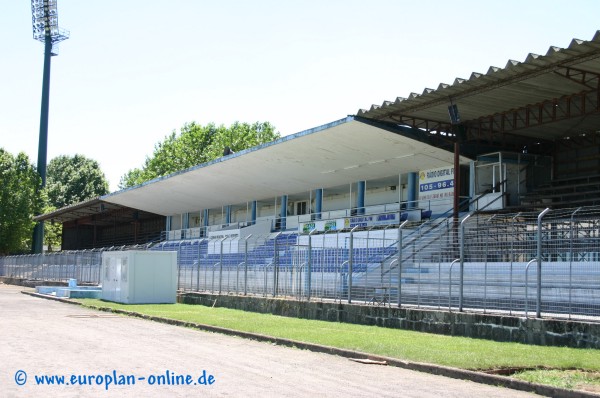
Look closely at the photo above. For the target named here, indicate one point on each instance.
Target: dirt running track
(42, 337)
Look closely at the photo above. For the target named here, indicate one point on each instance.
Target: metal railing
(502, 263)
(274, 221)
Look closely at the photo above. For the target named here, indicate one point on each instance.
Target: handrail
(439, 225)
(503, 194)
(418, 232)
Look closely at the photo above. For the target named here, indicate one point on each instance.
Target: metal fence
(526, 264)
(543, 262)
(83, 265)
(292, 265)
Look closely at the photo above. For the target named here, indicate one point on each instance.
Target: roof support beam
(549, 111)
(585, 78)
(438, 132)
(425, 124)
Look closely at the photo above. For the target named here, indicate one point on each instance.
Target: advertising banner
(435, 184)
(321, 226)
(371, 221)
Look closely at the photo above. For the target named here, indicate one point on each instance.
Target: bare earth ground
(42, 337)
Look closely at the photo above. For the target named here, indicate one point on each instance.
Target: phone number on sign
(432, 186)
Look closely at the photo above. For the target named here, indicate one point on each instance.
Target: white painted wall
(334, 206)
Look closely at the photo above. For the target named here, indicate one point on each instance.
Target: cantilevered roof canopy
(78, 210)
(544, 97)
(341, 152)
(93, 212)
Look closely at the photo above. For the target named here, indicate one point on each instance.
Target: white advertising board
(436, 189)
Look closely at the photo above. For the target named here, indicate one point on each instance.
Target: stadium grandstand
(458, 196)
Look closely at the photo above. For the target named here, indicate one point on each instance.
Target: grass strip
(459, 352)
(566, 379)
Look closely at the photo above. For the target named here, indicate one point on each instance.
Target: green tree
(196, 144)
(240, 136)
(52, 231)
(70, 180)
(74, 179)
(131, 178)
(19, 201)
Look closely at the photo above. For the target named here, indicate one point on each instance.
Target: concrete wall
(493, 327)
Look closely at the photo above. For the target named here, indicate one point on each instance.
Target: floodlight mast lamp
(44, 18)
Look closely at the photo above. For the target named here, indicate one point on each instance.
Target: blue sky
(135, 70)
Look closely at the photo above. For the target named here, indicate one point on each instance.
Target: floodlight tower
(45, 29)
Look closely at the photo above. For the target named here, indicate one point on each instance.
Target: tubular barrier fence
(525, 264)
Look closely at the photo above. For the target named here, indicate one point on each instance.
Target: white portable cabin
(139, 277)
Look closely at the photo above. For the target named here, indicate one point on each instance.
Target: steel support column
(283, 212)
(318, 203)
(413, 180)
(253, 217)
(456, 205)
(228, 214)
(38, 232)
(205, 216)
(360, 197)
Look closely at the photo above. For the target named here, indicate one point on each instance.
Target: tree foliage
(196, 144)
(69, 180)
(52, 231)
(74, 179)
(19, 201)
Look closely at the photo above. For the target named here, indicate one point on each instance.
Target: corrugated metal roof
(518, 84)
(79, 210)
(71, 209)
